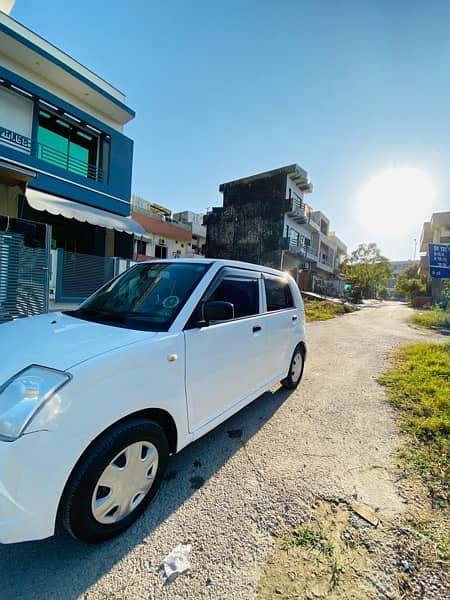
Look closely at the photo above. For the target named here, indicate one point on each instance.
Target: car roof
(217, 261)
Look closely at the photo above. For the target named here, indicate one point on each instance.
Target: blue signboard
(439, 260)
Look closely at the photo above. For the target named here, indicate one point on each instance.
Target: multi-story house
(64, 159)
(397, 267)
(165, 237)
(265, 219)
(437, 231)
(195, 221)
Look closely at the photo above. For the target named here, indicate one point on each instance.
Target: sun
(396, 201)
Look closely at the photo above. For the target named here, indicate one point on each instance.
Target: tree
(410, 284)
(367, 269)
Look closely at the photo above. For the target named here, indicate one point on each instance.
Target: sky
(226, 89)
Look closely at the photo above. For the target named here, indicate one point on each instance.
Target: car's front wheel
(296, 367)
(115, 480)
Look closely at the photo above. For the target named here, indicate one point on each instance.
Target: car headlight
(23, 395)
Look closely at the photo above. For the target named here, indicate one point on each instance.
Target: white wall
(294, 188)
(57, 90)
(16, 115)
(171, 244)
(6, 6)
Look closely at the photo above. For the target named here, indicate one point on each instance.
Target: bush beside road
(432, 319)
(419, 385)
(322, 310)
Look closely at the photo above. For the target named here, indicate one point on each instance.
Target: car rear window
(278, 293)
(242, 293)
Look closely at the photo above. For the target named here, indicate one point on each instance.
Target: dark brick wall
(249, 227)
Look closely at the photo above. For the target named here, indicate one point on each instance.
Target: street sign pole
(439, 264)
(439, 261)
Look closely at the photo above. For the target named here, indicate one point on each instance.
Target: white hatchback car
(94, 400)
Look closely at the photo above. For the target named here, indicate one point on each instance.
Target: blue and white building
(64, 159)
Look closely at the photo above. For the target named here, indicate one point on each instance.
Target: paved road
(253, 476)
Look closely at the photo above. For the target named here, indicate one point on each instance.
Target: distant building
(165, 238)
(265, 220)
(436, 230)
(397, 267)
(198, 230)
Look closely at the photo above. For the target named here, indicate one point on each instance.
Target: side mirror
(217, 310)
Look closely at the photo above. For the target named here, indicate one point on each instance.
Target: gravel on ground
(253, 477)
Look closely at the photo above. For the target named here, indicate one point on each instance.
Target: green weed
(432, 318)
(322, 310)
(302, 536)
(419, 385)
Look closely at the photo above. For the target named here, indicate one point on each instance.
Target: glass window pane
(278, 294)
(243, 294)
(52, 147)
(147, 296)
(78, 159)
(65, 145)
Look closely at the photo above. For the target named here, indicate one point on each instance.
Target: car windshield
(148, 296)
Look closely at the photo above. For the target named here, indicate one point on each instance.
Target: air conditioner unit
(161, 242)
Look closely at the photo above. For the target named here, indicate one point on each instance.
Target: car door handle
(295, 317)
(256, 328)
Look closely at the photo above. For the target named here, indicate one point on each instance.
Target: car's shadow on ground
(61, 567)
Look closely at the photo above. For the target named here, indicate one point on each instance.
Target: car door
(223, 359)
(281, 321)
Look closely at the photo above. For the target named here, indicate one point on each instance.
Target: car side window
(242, 293)
(278, 293)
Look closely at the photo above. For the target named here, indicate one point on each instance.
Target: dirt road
(254, 476)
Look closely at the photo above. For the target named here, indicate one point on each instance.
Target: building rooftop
(438, 219)
(37, 55)
(296, 173)
(163, 228)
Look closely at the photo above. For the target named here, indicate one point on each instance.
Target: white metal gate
(24, 275)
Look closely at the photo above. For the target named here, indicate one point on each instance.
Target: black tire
(291, 381)
(76, 511)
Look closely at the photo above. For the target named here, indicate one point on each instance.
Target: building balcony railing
(296, 209)
(326, 260)
(68, 162)
(51, 155)
(307, 252)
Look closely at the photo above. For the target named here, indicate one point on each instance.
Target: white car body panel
(199, 376)
(58, 341)
(229, 371)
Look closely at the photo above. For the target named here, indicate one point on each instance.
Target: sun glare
(396, 201)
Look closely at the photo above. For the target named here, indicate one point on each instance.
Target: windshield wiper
(94, 314)
(109, 314)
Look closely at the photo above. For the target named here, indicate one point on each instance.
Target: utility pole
(415, 248)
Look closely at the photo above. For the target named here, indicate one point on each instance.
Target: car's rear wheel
(115, 480)
(296, 367)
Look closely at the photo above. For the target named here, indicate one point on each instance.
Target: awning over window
(81, 212)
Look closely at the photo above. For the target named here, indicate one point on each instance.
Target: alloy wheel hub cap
(125, 482)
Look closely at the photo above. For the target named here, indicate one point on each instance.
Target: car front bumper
(30, 488)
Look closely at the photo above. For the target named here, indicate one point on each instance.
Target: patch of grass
(302, 536)
(430, 538)
(419, 385)
(322, 310)
(432, 318)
